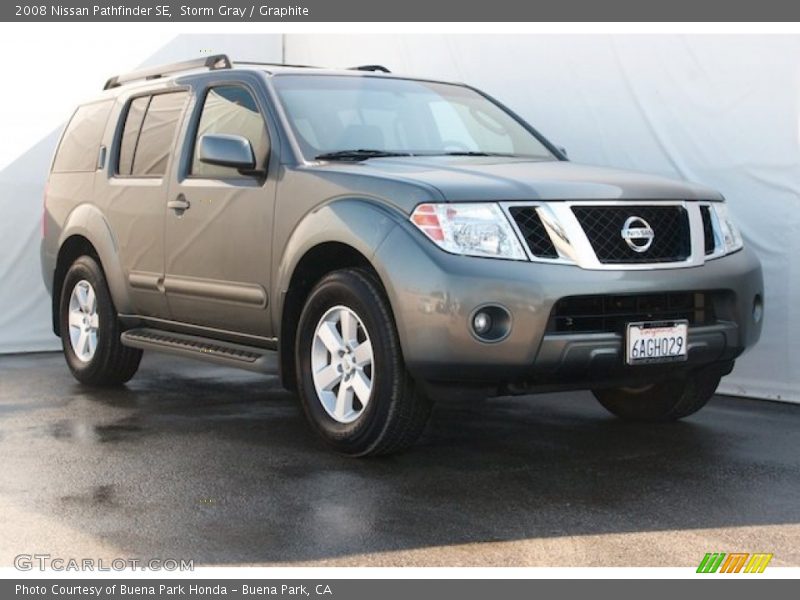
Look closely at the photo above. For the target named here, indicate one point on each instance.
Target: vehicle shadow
(195, 461)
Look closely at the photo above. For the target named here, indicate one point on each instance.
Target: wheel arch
(343, 234)
(86, 231)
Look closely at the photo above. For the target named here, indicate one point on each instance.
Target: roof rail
(379, 68)
(273, 64)
(212, 63)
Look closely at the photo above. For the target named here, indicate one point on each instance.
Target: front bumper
(434, 293)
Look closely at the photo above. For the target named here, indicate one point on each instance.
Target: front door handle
(179, 205)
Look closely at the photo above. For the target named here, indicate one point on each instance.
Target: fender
(88, 221)
(361, 223)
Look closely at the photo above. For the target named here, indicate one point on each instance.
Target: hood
(493, 178)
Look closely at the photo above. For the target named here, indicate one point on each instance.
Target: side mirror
(223, 150)
(563, 151)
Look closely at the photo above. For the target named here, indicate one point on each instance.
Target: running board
(192, 346)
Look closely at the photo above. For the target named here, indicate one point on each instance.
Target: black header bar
(401, 11)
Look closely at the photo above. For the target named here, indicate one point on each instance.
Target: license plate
(656, 342)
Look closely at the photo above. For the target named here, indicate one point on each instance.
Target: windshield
(332, 115)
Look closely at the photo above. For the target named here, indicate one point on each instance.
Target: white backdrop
(720, 110)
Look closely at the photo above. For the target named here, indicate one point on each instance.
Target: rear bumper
(433, 294)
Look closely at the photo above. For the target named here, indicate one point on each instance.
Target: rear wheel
(667, 401)
(90, 332)
(352, 380)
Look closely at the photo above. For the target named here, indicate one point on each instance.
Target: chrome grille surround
(574, 248)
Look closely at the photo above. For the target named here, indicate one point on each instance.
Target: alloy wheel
(84, 321)
(342, 363)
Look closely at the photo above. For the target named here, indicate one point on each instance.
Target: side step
(192, 346)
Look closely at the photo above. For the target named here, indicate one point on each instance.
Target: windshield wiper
(360, 154)
(365, 153)
(474, 153)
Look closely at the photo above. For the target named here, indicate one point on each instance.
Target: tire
(101, 360)
(395, 412)
(667, 401)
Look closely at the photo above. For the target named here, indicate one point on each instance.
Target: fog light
(490, 323)
(758, 308)
(482, 323)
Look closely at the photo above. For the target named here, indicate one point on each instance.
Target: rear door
(218, 233)
(134, 196)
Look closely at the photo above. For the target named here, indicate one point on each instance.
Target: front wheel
(667, 401)
(352, 380)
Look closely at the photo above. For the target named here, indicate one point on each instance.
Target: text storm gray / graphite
(164, 10)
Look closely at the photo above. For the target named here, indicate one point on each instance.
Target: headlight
(473, 229)
(731, 237)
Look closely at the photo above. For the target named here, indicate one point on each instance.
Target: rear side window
(149, 133)
(130, 135)
(80, 144)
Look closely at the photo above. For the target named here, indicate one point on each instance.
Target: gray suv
(381, 241)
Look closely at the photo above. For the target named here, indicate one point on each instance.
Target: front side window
(330, 113)
(149, 134)
(230, 110)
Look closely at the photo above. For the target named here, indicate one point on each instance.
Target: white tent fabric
(25, 323)
(719, 110)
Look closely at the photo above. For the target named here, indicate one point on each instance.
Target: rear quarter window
(80, 144)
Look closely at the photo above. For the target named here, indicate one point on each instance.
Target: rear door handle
(179, 205)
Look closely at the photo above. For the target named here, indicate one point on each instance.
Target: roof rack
(274, 64)
(212, 63)
(379, 68)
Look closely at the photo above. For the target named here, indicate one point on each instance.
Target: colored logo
(734, 562)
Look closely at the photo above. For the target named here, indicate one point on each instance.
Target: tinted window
(157, 134)
(233, 111)
(148, 134)
(80, 143)
(130, 135)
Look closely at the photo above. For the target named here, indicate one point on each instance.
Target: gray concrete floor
(195, 461)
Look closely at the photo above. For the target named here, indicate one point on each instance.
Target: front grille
(533, 231)
(610, 313)
(603, 227)
(708, 230)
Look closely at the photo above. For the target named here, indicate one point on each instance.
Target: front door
(219, 222)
